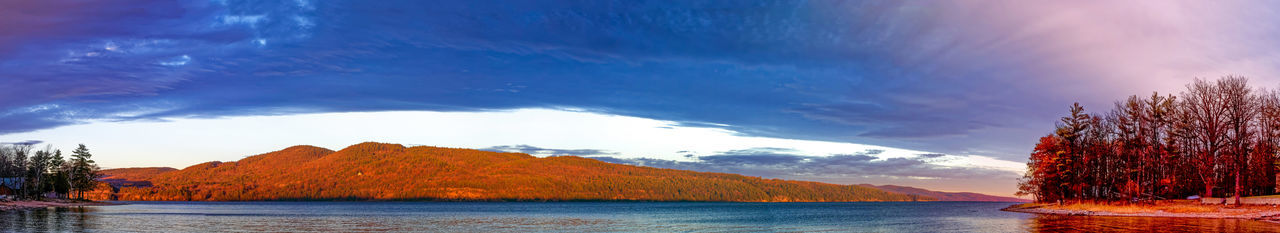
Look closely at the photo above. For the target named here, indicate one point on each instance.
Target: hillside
(136, 173)
(377, 171)
(944, 196)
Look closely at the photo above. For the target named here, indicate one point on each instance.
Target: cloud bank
(785, 163)
(533, 150)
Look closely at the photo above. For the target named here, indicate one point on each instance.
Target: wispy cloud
(771, 162)
(27, 142)
(533, 150)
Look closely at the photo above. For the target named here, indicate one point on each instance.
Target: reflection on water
(587, 216)
(1059, 223)
(60, 219)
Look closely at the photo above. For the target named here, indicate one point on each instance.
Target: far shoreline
(428, 200)
(20, 205)
(1165, 209)
(40, 204)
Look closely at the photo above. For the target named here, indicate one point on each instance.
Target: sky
(945, 95)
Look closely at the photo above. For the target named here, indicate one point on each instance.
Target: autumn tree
(1071, 128)
(1044, 178)
(1268, 139)
(1238, 103)
(1217, 135)
(1205, 110)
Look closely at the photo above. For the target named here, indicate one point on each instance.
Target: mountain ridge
(944, 196)
(382, 171)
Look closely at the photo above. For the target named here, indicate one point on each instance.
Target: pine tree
(59, 180)
(84, 173)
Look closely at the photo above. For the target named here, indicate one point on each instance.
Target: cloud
(957, 78)
(932, 155)
(27, 142)
(769, 162)
(533, 150)
(100, 59)
(251, 20)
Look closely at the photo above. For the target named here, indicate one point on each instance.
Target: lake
(587, 216)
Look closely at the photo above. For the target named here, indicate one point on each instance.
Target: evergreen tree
(84, 173)
(58, 180)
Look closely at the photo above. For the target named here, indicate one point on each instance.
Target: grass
(1028, 205)
(1268, 196)
(1171, 206)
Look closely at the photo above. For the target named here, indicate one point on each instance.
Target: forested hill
(135, 173)
(945, 196)
(377, 171)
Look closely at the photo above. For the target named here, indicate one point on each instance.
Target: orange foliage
(136, 173)
(377, 171)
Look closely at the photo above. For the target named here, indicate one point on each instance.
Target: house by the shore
(9, 186)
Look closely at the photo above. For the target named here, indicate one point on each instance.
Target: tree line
(35, 173)
(1216, 138)
(376, 171)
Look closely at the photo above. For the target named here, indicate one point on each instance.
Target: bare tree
(1237, 99)
(1205, 116)
(1268, 138)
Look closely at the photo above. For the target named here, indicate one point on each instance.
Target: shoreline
(34, 204)
(1160, 210)
(125, 202)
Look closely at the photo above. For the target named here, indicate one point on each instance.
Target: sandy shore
(18, 205)
(1178, 209)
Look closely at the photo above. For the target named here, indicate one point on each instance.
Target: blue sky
(980, 79)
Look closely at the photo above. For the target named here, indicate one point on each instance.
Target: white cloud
(177, 61)
(251, 20)
(303, 22)
(183, 142)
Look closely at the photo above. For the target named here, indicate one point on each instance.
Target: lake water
(586, 216)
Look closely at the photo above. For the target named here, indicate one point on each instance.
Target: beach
(1170, 209)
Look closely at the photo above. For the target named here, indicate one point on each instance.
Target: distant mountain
(944, 196)
(136, 173)
(377, 171)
